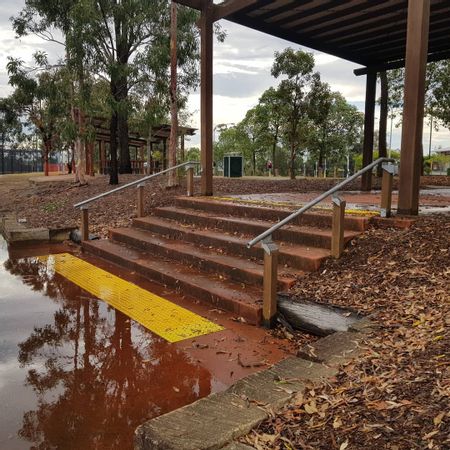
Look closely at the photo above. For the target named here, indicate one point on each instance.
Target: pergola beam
(230, 7)
(413, 106)
(439, 56)
(196, 4)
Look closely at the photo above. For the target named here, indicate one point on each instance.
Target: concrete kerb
(214, 422)
(15, 232)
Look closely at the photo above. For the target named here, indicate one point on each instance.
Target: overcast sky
(241, 72)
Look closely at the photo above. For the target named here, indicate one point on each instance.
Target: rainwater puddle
(77, 374)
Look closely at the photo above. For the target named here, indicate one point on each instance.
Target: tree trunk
(80, 161)
(89, 146)
(47, 146)
(292, 162)
(113, 175)
(274, 150)
(172, 181)
(79, 153)
(122, 130)
(315, 318)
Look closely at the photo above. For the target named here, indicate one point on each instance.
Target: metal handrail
(314, 202)
(133, 183)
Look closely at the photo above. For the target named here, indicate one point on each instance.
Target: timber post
(386, 190)
(270, 282)
(413, 106)
(206, 96)
(337, 236)
(84, 223)
(369, 123)
(140, 200)
(190, 180)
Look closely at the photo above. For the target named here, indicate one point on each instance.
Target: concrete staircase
(199, 247)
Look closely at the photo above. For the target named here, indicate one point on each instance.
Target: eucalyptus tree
(124, 41)
(41, 94)
(10, 123)
(271, 114)
(297, 68)
(336, 125)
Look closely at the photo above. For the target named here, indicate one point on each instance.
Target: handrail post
(386, 190)
(270, 281)
(190, 181)
(337, 236)
(140, 200)
(84, 223)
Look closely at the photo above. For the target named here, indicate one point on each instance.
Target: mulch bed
(52, 205)
(397, 395)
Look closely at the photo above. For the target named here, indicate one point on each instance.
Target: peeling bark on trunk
(79, 148)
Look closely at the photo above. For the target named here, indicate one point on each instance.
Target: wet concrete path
(77, 374)
(432, 200)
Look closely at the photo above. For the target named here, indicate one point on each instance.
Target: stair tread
(264, 225)
(204, 253)
(250, 210)
(285, 247)
(239, 292)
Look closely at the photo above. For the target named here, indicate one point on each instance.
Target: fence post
(190, 181)
(386, 190)
(337, 236)
(140, 200)
(270, 281)
(84, 223)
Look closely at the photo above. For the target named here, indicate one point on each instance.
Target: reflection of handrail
(133, 183)
(314, 202)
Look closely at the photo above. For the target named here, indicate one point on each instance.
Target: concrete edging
(215, 421)
(15, 232)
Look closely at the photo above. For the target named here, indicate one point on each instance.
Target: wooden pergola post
(413, 106)
(369, 123)
(206, 97)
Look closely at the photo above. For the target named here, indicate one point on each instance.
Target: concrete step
(240, 299)
(207, 260)
(295, 256)
(296, 234)
(314, 219)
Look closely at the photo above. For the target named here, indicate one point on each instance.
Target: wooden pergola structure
(377, 34)
(160, 134)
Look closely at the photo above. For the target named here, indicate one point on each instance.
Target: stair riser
(251, 313)
(209, 266)
(230, 247)
(252, 229)
(273, 215)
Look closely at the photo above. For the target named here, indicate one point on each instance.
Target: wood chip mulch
(397, 395)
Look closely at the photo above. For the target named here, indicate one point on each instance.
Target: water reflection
(94, 374)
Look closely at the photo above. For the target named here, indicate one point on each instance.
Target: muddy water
(74, 372)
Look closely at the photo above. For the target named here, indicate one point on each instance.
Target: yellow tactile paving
(162, 317)
(353, 212)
